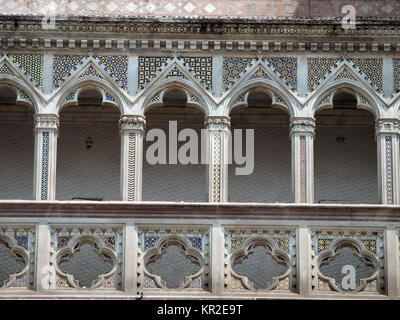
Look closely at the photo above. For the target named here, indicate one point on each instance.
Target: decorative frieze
(46, 122)
(302, 125)
(387, 126)
(132, 122)
(217, 122)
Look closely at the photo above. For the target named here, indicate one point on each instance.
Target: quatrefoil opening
(14, 261)
(86, 262)
(345, 254)
(260, 264)
(173, 263)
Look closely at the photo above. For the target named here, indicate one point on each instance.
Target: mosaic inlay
(323, 244)
(91, 72)
(5, 69)
(201, 67)
(318, 69)
(370, 244)
(32, 65)
(45, 166)
(396, 74)
(303, 174)
(364, 100)
(260, 73)
(131, 165)
(372, 69)
(236, 243)
(109, 241)
(345, 74)
(287, 70)
(197, 242)
(23, 96)
(149, 242)
(148, 67)
(175, 73)
(70, 96)
(117, 67)
(233, 68)
(389, 170)
(22, 241)
(283, 243)
(217, 168)
(64, 66)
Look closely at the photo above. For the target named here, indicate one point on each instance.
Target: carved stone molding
(46, 122)
(132, 122)
(387, 126)
(217, 122)
(304, 125)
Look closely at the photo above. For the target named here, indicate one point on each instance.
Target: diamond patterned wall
(174, 182)
(347, 171)
(88, 173)
(271, 179)
(16, 159)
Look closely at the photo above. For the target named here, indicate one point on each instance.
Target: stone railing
(132, 250)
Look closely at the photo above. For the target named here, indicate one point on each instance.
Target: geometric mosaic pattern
(287, 70)
(175, 73)
(396, 74)
(260, 73)
(45, 166)
(201, 68)
(148, 67)
(345, 74)
(389, 169)
(131, 165)
(64, 66)
(318, 69)
(32, 65)
(5, 69)
(233, 67)
(197, 242)
(91, 72)
(117, 67)
(371, 69)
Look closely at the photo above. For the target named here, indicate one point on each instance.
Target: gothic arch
(195, 97)
(374, 105)
(99, 85)
(12, 83)
(279, 97)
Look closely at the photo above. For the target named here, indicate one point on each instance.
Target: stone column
(302, 136)
(132, 133)
(217, 134)
(387, 138)
(46, 134)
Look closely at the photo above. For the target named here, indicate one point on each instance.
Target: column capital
(302, 125)
(47, 121)
(217, 122)
(132, 122)
(387, 126)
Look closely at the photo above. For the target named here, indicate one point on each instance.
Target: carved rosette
(132, 122)
(217, 122)
(387, 126)
(46, 122)
(302, 125)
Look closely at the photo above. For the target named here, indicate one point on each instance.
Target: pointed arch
(12, 83)
(89, 82)
(277, 93)
(375, 106)
(195, 96)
